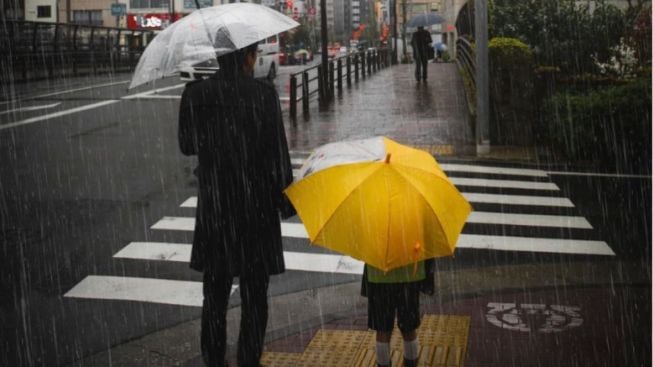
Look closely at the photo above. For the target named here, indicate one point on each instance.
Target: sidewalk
(432, 115)
(544, 314)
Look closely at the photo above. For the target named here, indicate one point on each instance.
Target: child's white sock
(411, 349)
(383, 353)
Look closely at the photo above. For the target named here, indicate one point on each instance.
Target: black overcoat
(233, 124)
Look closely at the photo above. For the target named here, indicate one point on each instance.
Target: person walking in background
(233, 123)
(396, 293)
(421, 43)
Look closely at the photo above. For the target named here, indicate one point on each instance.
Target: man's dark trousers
(421, 66)
(253, 320)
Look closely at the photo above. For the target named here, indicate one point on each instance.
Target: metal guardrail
(465, 58)
(32, 50)
(359, 65)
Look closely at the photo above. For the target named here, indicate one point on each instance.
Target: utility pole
(482, 78)
(393, 17)
(325, 51)
(403, 27)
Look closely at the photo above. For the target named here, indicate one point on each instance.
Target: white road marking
(297, 161)
(483, 182)
(477, 198)
(530, 244)
(175, 224)
(171, 292)
(180, 252)
(507, 243)
(517, 200)
(532, 220)
(153, 92)
(592, 174)
(31, 108)
(58, 114)
(494, 170)
(191, 202)
(160, 96)
(164, 251)
(70, 91)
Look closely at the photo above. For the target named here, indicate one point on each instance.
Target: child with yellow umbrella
(390, 206)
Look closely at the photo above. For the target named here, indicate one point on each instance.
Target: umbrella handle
(416, 249)
(387, 157)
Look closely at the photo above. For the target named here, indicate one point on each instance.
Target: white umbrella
(205, 34)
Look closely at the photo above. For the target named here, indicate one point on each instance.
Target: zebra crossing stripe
(180, 252)
(547, 245)
(513, 200)
(533, 220)
(171, 292)
(472, 197)
(489, 242)
(506, 184)
(492, 170)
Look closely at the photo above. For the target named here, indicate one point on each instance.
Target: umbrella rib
(429, 204)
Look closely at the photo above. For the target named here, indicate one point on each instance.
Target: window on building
(43, 11)
(151, 4)
(190, 4)
(88, 17)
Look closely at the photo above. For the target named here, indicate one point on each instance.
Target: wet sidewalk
(519, 315)
(431, 115)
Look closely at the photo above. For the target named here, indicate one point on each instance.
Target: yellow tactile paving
(443, 341)
(274, 359)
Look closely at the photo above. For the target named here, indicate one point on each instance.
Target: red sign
(150, 21)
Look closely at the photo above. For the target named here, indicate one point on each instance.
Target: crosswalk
(517, 210)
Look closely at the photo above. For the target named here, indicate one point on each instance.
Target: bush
(611, 125)
(509, 51)
(511, 92)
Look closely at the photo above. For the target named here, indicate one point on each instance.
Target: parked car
(267, 62)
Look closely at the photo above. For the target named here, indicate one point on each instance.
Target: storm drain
(443, 340)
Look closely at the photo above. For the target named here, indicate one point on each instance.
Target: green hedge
(507, 51)
(611, 125)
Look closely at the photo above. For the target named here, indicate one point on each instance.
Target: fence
(340, 70)
(32, 50)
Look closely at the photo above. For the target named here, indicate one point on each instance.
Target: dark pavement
(553, 306)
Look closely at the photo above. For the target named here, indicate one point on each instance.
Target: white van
(267, 62)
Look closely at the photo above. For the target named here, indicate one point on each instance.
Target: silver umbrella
(205, 34)
(424, 20)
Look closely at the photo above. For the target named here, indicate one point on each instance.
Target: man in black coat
(421, 43)
(233, 123)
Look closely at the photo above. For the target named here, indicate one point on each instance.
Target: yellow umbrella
(378, 201)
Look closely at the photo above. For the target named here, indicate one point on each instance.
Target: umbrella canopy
(205, 34)
(378, 201)
(424, 20)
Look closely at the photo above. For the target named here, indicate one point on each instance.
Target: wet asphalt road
(79, 183)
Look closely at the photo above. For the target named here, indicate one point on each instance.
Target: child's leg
(409, 320)
(411, 348)
(380, 317)
(383, 347)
